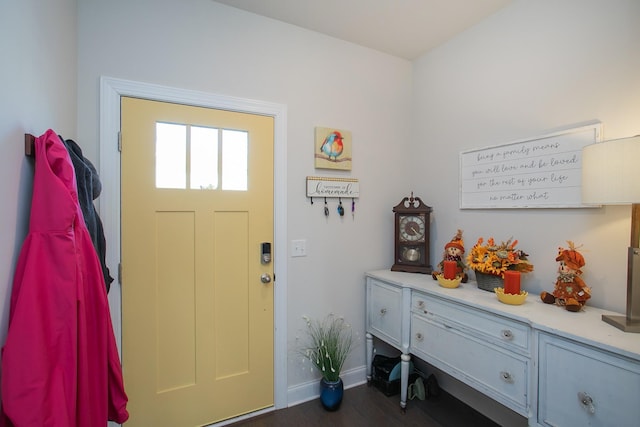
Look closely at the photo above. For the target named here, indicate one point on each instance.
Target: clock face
(412, 228)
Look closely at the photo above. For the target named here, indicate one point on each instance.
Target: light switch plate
(298, 248)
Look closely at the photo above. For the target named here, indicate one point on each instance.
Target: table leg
(369, 356)
(404, 379)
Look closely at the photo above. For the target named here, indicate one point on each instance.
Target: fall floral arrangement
(492, 258)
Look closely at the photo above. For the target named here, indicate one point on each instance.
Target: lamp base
(622, 323)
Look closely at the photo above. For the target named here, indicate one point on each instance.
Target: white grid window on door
(201, 158)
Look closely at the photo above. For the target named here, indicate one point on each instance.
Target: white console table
(554, 367)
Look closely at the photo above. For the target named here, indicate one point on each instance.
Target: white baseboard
(311, 389)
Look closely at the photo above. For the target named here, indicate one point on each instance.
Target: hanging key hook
(340, 208)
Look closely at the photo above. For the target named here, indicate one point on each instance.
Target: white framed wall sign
(541, 172)
(332, 187)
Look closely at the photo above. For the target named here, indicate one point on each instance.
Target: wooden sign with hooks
(339, 188)
(332, 187)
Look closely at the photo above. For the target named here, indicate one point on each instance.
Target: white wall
(38, 87)
(530, 69)
(206, 46)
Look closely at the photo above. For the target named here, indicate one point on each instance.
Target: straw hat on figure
(571, 292)
(454, 251)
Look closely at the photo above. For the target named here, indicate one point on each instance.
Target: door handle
(265, 278)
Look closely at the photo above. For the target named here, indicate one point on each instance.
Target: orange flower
(496, 259)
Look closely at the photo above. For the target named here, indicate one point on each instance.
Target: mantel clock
(412, 219)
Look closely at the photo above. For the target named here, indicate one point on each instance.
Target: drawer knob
(419, 336)
(420, 304)
(506, 377)
(383, 311)
(507, 334)
(587, 402)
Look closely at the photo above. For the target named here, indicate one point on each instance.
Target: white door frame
(111, 90)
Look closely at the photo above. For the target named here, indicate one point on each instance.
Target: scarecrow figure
(571, 292)
(453, 251)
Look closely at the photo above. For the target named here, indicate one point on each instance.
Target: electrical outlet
(298, 248)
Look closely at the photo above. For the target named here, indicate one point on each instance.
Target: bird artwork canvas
(332, 148)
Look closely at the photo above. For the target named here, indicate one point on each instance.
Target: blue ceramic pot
(331, 393)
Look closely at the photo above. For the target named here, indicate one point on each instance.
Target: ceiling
(403, 28)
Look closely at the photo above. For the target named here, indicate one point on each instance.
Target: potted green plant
(329, 343)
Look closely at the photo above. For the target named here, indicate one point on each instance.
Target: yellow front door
(197, 204)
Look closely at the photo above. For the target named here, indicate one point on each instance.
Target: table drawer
(583, 386)
(384, 311)
(500, 330)
(493, 371)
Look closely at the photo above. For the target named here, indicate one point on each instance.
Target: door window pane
(201, 158)
(171, 155)
(204, 158)
(234, 159)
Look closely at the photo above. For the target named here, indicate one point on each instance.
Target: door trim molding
(111, 90)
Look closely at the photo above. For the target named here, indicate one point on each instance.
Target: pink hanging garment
(60, 363)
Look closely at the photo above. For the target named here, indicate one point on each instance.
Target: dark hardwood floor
(367, 406)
